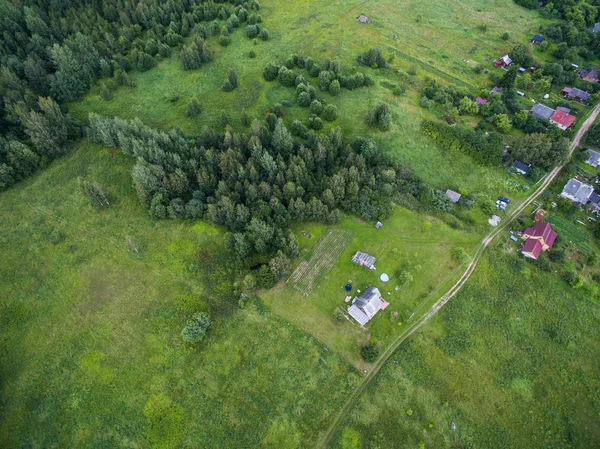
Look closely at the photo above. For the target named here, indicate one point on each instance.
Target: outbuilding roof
(521, 166)
(596, 27)
(452, 195)
(538, 39)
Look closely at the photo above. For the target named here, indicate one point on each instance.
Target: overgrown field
(511, 361)
(93, 303)
(443, 40)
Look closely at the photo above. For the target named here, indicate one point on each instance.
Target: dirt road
(326, 438)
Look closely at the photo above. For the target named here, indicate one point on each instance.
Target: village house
(573, 93)
(589, 75)
(521, 167)
(577, 191)
(504, 61)
(364, 260)
(364, 307)
(540, 237)
(481, 101)
(562, 120)
(594, 203)
(542, 112)
(452, 195)
(593, 158)
(537, 39)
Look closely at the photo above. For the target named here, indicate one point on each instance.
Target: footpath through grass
(510, 362)
(91, 344)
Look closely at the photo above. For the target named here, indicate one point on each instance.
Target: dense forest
(51, 52)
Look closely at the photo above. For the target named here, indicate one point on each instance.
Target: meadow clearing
(93, 303)
(507, 363)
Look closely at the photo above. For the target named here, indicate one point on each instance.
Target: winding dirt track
(326, 438)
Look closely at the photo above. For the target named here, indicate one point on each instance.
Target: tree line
(255, 184)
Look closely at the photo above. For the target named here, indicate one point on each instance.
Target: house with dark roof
(521, 167)
(562, 108)
(577, 191)
(542, 112)
(562, 120)
(537, 39)
(589, 75)
(364, 307)
(576, 94)
(596, 28)
(452, 195)
(593, 158)
(540, 237)
(364, 260)
(594, 202)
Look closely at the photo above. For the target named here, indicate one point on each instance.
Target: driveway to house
(335, 425)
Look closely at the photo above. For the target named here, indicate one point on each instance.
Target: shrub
(193, 108)
(252, 31)
(373, 58)
(316, 107)
(224, 41)
(304, 99)
(338, 315)
(105, 92)
(329, 113)
(298, 129)
(264, 34)
(266, 279)
(270, 71)
(369, 353)
(196, 328)
(315, 122)
(334, 88)
(380, 116)
(252, 54)
(459, 254)
(232, 78)
(227, 86)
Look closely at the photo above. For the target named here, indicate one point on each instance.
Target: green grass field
(91, 329)
(510, 361)
(93, 301)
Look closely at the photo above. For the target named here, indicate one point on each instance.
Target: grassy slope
(91, 334)
(511, 361)
(400, 245)
(438, 43)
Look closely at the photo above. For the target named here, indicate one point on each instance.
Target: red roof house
(562, 119)
(481, 101)
(532, 248)
(543, 232)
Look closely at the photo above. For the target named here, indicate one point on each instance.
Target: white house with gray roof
(366, 305)
(577, 191)
(593, 158)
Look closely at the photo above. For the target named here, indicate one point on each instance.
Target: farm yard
(409, 251)
(326, 253)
